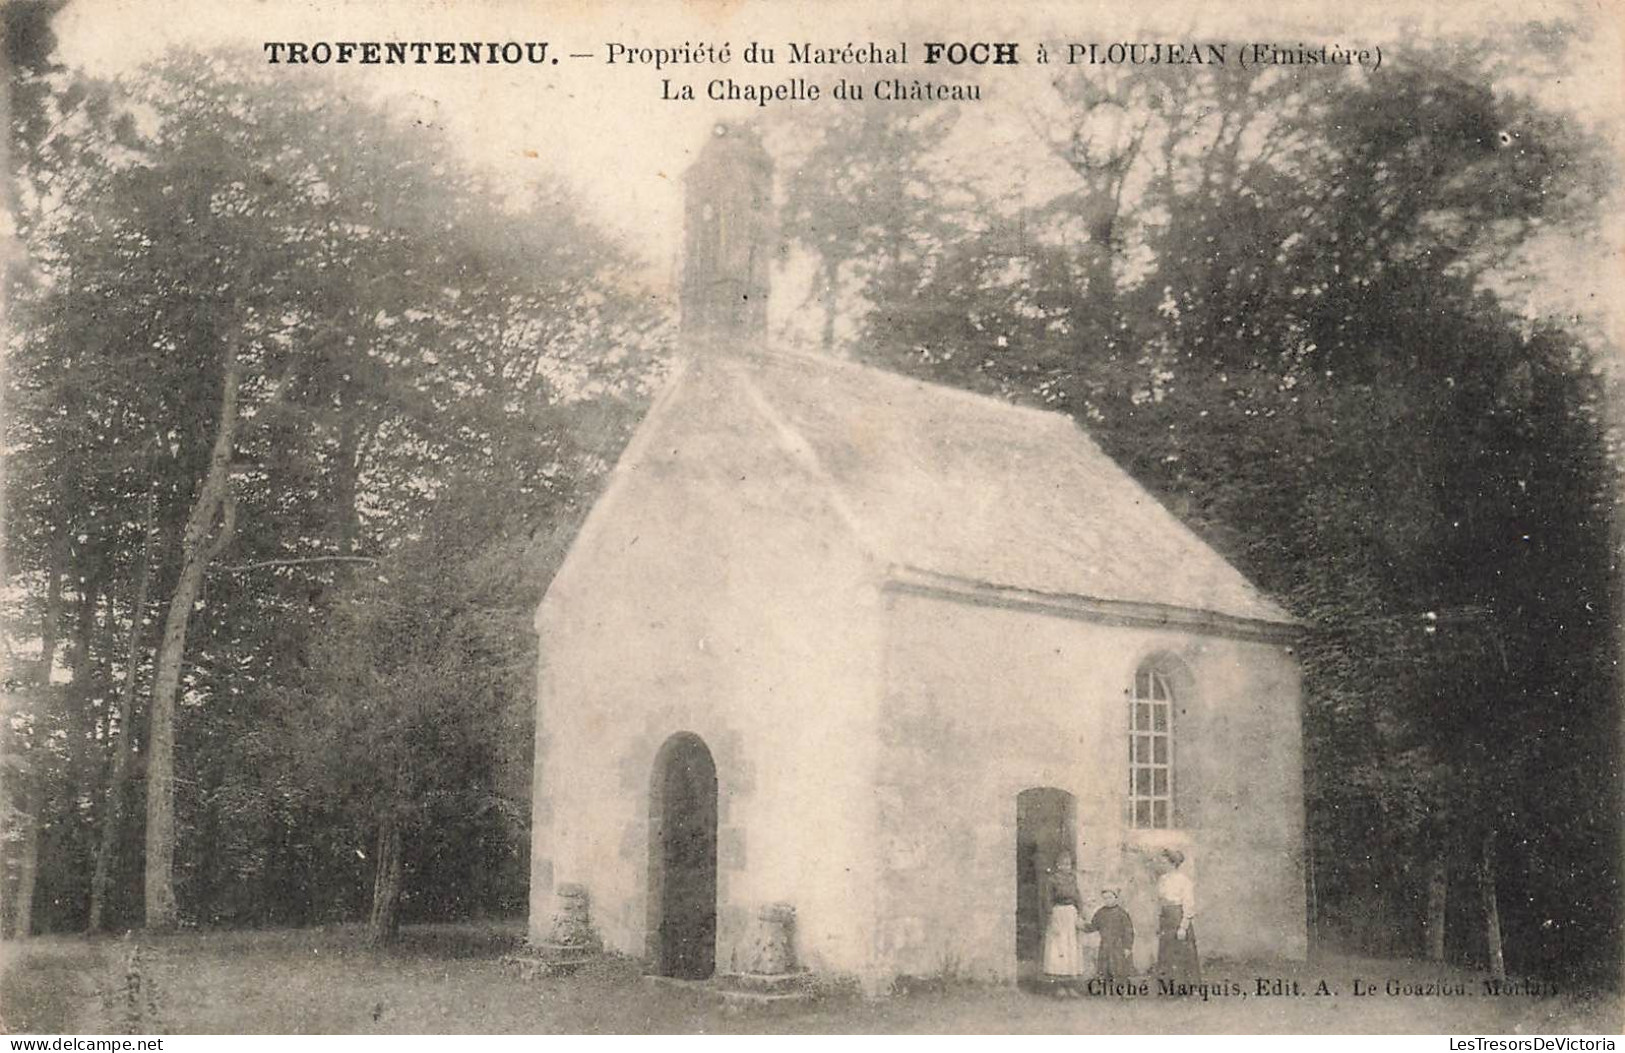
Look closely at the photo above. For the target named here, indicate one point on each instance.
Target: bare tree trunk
(347, 464)
(1438, 892)
(30, 777)
(83, 637)
(203, 539)
(384, 923)
(113, 817)
(78, 723)
(24, 781)
(27, 870)
(99, 719)
(1492, 912)
(832, 287)
(50, 621)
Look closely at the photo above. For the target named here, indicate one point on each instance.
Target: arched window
(1151, 749)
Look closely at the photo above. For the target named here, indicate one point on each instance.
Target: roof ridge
(853, 366)
(800, 449)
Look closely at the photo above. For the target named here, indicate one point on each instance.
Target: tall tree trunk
(203, 539)
(30, 775)
(22, 925)
(1438, 893)
(384, 922)
(22, 781)
(832, 288)
(84, 632)
(113, 816)
(346, 527)
(1492, 912)
(78, 724)
(99, 719)
(50, 621)
(84, 629)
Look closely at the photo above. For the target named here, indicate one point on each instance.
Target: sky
(606, 130)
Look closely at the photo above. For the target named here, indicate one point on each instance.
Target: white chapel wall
(983, 702)
(717, 600)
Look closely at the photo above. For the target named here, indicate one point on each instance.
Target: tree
(124, 748)
(26, 45)
(862, 198)
(281, 327)
(408, 688)
(402, 711)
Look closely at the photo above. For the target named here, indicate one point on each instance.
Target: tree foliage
(200, 237)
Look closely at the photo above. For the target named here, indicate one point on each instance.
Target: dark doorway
(683, 859)
(1044, 827)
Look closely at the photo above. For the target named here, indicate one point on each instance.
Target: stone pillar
(570, 942)
(572, 917)
(771, 972)
(772, 948)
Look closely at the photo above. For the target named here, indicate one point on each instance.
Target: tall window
(1151, 750)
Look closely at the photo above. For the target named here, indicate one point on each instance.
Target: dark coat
(1116, 958)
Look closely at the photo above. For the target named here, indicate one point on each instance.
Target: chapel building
(880, 650)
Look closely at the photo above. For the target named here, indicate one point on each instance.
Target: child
(1116, 928)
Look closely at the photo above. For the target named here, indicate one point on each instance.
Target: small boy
(1116, 928)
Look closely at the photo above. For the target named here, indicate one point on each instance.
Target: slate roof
(979, 490)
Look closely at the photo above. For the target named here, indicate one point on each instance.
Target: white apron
(1061, 954)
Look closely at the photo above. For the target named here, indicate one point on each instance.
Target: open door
(683, 859)
(1044, 828)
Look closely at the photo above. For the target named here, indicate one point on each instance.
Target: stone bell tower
(727, 225)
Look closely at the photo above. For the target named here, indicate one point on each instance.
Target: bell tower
(727, 225)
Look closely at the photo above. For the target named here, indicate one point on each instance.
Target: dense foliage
(275, 353)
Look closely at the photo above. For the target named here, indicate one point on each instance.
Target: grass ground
(450, 979)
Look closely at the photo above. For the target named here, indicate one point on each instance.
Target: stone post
(772, 951)
(571, 924)
(771, 972)
(571, 941)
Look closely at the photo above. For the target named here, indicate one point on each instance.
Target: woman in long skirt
(1177, 957)
(1063, 961)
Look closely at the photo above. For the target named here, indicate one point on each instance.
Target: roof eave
(914, 581)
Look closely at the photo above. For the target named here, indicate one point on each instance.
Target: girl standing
(1063, 965)
(1116, 928)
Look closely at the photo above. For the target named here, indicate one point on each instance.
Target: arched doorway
(1044, 827)
(683, 859)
